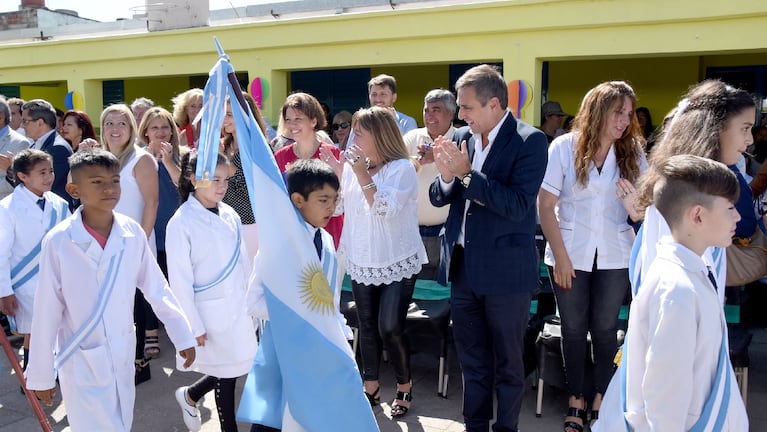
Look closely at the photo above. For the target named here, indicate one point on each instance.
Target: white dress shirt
(480, 155)
(592, 218)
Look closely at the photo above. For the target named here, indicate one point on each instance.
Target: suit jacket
(499, 237)
(13, 142)
(60, 150)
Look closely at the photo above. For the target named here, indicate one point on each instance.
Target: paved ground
(156, 409)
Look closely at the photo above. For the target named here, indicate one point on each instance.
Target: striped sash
(29, 266)
(198, 288)
(715, 408)
(106, 291)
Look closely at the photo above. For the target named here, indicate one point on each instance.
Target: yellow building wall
(519, 33)
(658, 82)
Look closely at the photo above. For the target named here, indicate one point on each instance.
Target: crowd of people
(396, 203)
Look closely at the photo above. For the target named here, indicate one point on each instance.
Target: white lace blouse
(381, 242)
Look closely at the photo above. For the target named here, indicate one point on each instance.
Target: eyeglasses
(26, 121)
(343, 125)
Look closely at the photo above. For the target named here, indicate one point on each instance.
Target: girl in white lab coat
(208, 270)
(26, 216)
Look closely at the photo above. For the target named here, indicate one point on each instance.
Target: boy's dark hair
(308, 175)
(188, 171)
(687, 180)
(90, 158)
(26, 159)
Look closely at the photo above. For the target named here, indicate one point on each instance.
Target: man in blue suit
(491, 181)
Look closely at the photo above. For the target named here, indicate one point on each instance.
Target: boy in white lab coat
(677, 371)
(90, 266)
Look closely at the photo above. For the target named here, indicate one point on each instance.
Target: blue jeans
(592, 305)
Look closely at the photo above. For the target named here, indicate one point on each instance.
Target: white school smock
(199, 244)
(131, 202)
(97, 380)
(23, 227)
(674, 335)
(590, 219)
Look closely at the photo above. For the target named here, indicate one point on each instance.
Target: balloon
(73, 101)
(520, 96)
(256, 90)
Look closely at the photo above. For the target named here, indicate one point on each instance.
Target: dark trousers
(382, 311)
(224, 393)
(592, 305)
(489, 333)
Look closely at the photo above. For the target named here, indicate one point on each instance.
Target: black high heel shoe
(374, 398)
(571, 426)
(400, 410)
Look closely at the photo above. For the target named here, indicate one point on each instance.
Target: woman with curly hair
(584, 216)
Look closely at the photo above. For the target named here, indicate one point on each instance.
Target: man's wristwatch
(466, 179)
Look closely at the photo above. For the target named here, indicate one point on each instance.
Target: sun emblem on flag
(315, 291)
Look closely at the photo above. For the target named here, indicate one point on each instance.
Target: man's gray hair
(5, 109)
(41, 109)
(443, 95)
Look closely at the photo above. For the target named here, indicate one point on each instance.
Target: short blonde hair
(182, 102)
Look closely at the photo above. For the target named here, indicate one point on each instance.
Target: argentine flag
(311, 367)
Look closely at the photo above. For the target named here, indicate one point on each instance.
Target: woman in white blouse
(380, 240)
(584, 214)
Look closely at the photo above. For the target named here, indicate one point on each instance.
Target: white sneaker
(190, 412)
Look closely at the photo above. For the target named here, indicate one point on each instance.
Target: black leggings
(224, 398)
(382, 311)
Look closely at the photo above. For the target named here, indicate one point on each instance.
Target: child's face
(210, 196)
(718, 222)
(39, 179)
(318, 208)
(97, 187)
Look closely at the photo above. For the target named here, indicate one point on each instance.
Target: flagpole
(42, 417)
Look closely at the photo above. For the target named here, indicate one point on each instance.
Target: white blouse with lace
(381, 242)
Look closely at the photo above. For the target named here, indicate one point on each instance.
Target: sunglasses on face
(343, 125)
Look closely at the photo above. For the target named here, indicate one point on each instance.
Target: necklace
(315, 146)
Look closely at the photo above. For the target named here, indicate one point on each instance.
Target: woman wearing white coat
(208, 270)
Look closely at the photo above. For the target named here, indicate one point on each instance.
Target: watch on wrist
(466, 179)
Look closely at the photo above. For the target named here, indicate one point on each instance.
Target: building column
(523, 65)
(92, 95)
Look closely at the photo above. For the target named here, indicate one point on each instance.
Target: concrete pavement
(156, 409)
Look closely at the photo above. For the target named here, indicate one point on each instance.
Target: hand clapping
(450, 160)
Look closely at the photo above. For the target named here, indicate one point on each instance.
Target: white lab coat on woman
(23, 226)
(97, 380)
(199, 244)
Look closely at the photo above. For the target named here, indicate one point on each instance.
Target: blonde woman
(186, 106)
(382, 244)
(158, 131)
(139, 195)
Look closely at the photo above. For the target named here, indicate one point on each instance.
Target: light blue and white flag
(320, 380)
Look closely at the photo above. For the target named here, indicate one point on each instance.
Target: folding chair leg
(539, 396)
(356, 335)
